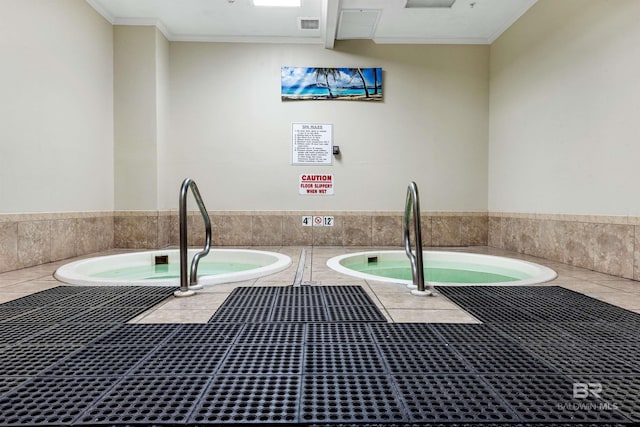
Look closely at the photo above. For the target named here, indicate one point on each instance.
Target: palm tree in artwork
(326, 73)
(375, 81)
(358, 72)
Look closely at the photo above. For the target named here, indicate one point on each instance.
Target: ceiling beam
(330, 13)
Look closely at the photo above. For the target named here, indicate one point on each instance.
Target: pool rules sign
(315, 184)
(311, 144)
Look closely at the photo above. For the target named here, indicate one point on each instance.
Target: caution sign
(315, 184)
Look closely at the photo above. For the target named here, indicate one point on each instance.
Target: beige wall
(564, 135)
(162, 112)
(56, 108)
(565, 108)
(230, 131)
(136, 117)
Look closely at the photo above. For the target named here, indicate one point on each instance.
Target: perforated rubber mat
(302, 304)
(318, 356)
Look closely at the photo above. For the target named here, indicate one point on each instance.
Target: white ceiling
(383, 21)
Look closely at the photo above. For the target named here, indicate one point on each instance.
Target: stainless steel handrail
(412, 205)
(192, 280)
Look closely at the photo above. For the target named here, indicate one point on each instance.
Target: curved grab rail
(185, 282)
(412, 205)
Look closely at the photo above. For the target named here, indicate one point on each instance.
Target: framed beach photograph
(351, 84)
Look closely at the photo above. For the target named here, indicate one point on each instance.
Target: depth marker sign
(315, 184)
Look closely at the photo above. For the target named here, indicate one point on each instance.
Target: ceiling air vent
(425, 4)
(357, 23)
(308, 23)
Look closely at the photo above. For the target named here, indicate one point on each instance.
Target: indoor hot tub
(442, 268)
(162, 268)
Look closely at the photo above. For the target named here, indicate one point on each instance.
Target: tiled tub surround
(151, 230)
(349, 229)
(32, 239)
(607, 244)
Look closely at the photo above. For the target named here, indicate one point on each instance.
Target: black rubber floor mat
(302, 314)
(499, 314)
(137, 334)
(272, 333)
(106, 315)
(62, 367)
(69, 334)
(262, 290)
(212, 333)
(469, 333)
(49, 315)
(30, 360)
(137, 299)
(355, 313)
(452, 398)
(39, 299)
(182, 360)
(587, 359)
(347, 295)
(557, 313)
(14, 333)
(343, 359)
(600, 333)
(8, 384)
(51, 401)
(300, 300)
(501, 358)
(425, 358)
(253, 296)
(264, 359)
(100, 360)
(534, 333)
(618, 392)
(230, 314)
(245, 300)
(303, 304)
(535, 304)
(147, 401)
(268, 399)
(481, 300)
(405, 333)
(610, 313)
(7, 313)
(568, 297)
(86, 299)
(301, 290)
(98, 304)
(347, 333)
(350, 399)
(552, 399)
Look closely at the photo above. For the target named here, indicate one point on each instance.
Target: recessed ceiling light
(277, 3)
(417, 4)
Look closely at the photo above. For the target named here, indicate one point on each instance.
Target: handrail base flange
(184, 293)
